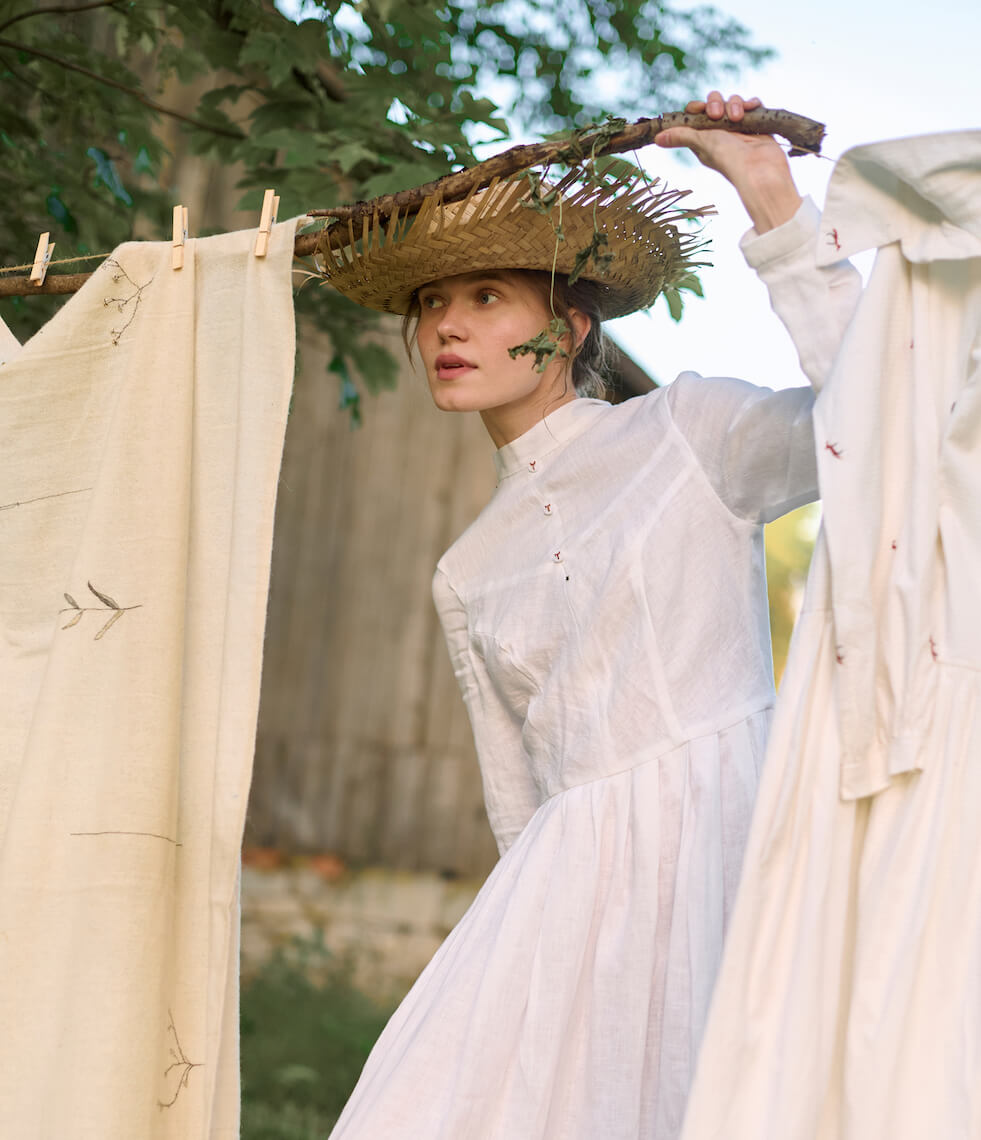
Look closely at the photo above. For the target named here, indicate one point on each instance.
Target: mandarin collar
(551, 434)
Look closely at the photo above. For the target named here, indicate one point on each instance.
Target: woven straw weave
(498, 228)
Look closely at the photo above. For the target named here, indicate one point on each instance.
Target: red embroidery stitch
(834, 239)
(893, 544)
(834, 449)
(532, 464)
(839, 656)
(933, 649)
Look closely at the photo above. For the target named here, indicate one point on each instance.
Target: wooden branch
(132, 92)
(804, 135)
(306, 244)
(54, 283)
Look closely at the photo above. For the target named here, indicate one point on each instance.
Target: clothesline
(62, 283)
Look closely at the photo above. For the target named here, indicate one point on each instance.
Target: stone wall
(384, 924)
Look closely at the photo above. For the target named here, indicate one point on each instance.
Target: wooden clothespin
(42, 257)
(270, 208)
(180, 237)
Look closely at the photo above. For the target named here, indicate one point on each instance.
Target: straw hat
(629, 229)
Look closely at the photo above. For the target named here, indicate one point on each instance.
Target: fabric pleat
(595, 937)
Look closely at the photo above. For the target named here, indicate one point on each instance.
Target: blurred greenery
(306, 1033)
(789, 543)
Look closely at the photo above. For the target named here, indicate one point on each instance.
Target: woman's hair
(590, 359)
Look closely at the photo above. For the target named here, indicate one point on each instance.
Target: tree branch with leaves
(349, 103)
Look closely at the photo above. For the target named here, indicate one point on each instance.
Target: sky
(869, 70)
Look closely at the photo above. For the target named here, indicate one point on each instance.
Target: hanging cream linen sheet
(140, 439)
(849, 1002)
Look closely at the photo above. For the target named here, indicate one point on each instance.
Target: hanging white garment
(140, 433)
(849, 1002)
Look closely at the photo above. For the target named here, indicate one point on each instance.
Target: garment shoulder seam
(704, 474)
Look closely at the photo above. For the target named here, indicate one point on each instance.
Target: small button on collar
(548, 508)
(557, 556)
(531, 464)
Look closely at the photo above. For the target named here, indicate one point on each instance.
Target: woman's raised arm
(755, 164)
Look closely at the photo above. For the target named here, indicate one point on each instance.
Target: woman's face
(466, 326)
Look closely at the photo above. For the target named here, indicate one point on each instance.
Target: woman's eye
(430, 302)
(486, 297)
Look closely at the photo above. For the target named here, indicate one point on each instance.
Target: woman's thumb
(677, 136)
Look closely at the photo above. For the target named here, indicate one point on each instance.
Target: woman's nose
(451, 325)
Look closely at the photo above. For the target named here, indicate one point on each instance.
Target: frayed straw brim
(500, 228)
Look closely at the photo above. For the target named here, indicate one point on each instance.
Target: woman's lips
(450, 367)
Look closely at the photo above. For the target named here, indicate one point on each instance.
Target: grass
(306, 1032)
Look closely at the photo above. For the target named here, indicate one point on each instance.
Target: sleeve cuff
(791, 238)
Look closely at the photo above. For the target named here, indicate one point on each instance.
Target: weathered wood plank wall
(364, 746)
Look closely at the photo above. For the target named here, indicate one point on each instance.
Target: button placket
(549, 510)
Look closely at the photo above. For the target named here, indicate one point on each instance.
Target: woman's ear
(580, 326)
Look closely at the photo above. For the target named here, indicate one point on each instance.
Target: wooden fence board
(364, 746)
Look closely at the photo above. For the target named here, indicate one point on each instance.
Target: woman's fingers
(715, 106)
(679, 136)
(754, 164)
(737, 106)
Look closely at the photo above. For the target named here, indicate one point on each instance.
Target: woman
(606, 616)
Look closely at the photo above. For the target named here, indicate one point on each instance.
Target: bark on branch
(54, 284)
(804, 135)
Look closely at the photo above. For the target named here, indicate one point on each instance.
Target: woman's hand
(755, 164)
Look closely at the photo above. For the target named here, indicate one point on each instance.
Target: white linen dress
(607, 619)
(848, 1006)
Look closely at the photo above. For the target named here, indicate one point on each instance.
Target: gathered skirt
(569, 1001)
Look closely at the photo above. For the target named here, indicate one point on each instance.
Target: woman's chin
(459, 396)
(455, 397)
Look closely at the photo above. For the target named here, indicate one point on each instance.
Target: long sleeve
(815, 304)
(510, 794)
(756, 446)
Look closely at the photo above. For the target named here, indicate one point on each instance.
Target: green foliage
(345, 101)
(596, 252)
(673, 294)
(789, 543)
(306, 1033)
(567, 64)
(545, 347)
